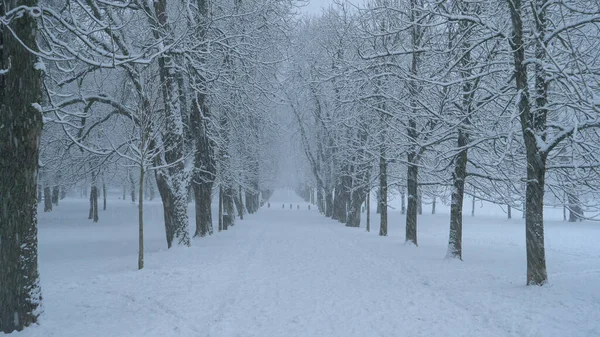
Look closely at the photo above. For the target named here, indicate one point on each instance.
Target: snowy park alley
(283, 272)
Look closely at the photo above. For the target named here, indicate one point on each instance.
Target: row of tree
(497, 99)
(183, 90)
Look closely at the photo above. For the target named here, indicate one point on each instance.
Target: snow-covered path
(289, 273)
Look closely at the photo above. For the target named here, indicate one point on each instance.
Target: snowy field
(286, 273)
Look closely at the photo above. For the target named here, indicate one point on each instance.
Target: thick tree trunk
(328, 203)
(239, 203)
(412, 207)
(228, 206)
(55, 195)
(534, 220)
(21, 121)
(203, 197)
(320, 200)
(174, 211)
(356, 201)
(47, 199)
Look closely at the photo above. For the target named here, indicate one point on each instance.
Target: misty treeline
(435, 100)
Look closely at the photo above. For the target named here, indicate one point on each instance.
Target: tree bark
(47, 199)
(221, 208)
(411, 209)
(55, 195)
(536, 160)
(368, 206)
(458, 194)
(20, 91)
(383, 194)
(203, 200)
(141, 219)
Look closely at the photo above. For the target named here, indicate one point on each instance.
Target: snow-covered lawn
(285, 273)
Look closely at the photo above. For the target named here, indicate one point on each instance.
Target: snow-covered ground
(285, 273)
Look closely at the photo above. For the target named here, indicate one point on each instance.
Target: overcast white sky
(314, 7)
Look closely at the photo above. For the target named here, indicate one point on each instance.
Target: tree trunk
(420, 202)
(172, 181)
(378, 207)
(239, 203)
(124, 192)
(55, 195)
(228, 206)
(383, 194)
(356, 200)
(174, 210)
(458, 194)
(473, 206)
(95, 202)
(403, 201)
(368, 210)
(575, 209)
(412, 207)
(140, 218)
(531, 127)
(221, 208)
(328, 203)
(203, 197)
(104, 196)
(21, 121)
(47, 199)
(433, 205)
(509, 211)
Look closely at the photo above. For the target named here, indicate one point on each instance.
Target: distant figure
(298, 207)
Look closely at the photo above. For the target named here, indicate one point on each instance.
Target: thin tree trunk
(509, 209)
(220, 207)
(433, 205)
(103, 196)
(473, 206)
(95, 202)
(368, 210)
(531, 127)
(412, 207)
(141, 220)
(403, 201)
(383, 209)
(458, 195)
